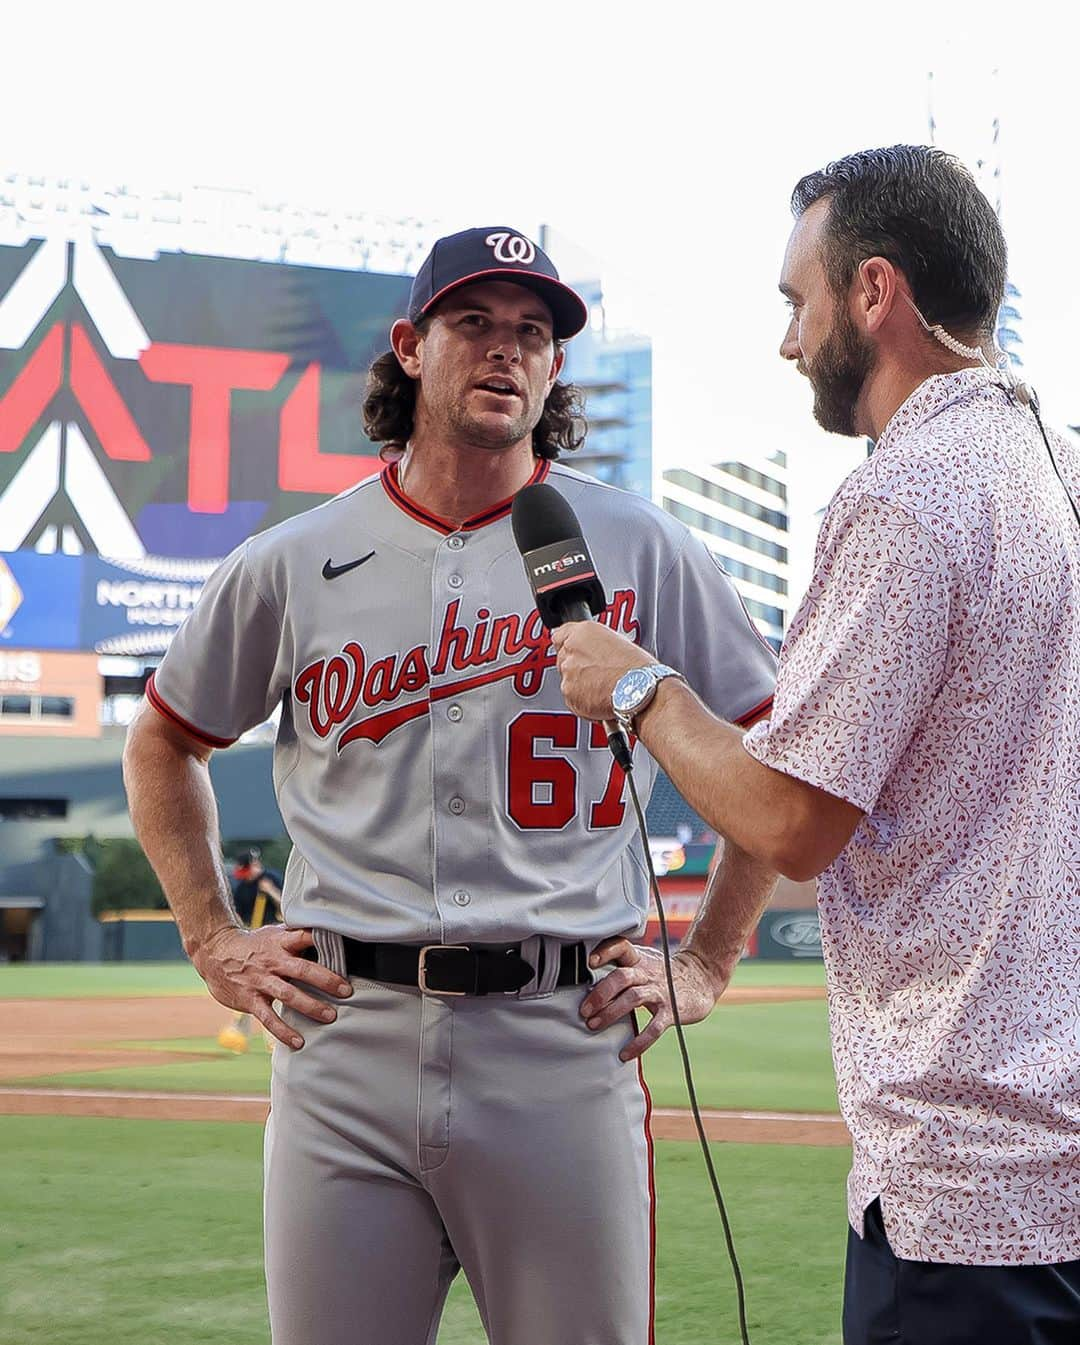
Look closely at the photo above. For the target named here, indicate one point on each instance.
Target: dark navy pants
(888, 1301)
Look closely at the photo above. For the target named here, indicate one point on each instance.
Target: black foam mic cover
(561, 573)
(540, 515)
(557, 562)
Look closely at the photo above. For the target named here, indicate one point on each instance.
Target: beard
(839, 370)
(493, 432)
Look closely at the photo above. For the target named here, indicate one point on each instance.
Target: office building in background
(739, 509)
(613, 369)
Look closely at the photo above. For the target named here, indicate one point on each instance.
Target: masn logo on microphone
(566, 562)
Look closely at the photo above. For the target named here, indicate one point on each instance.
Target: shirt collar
(932, 396)
(391, 484)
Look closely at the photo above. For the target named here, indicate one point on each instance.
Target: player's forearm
(174, 813)
(737, 893)
(768, 815)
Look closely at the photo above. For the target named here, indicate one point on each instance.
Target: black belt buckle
(422, 970)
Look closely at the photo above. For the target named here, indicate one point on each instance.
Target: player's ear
(405, 342)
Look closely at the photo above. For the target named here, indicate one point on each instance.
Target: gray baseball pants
(417, 1135)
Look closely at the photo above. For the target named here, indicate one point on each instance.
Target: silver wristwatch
(635, 689)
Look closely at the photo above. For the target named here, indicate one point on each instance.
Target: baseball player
(257, 893)
(257, 900)
(464, 857)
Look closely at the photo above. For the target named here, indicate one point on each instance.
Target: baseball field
(130, 1205)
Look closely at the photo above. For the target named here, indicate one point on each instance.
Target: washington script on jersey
(332, 687)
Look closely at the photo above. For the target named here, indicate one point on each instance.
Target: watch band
(657, 672)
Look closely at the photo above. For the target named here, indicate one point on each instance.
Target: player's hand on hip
(639, 982)
(592, 658)
(248, 969)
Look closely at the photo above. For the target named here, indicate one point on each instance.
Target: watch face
(631, 689)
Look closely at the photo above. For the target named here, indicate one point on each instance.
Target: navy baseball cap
(496, 253)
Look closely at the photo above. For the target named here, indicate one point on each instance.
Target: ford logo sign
(800, 933)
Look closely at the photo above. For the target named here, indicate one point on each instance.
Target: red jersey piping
(163, 708)
(651, 1163)
(389, 478)
(755, 713)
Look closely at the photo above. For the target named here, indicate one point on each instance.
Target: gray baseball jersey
(434, 784)
(438, 790)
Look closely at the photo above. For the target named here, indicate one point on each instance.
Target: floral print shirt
(931, 677)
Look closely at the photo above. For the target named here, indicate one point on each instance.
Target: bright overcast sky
(665, 138)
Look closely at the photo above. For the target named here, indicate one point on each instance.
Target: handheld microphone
(561, 573)
(565, 584)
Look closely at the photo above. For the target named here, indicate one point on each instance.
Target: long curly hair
(390, 405)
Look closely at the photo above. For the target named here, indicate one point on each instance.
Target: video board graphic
(171, 406)
(88, 602)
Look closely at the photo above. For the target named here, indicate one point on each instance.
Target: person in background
(256, 893)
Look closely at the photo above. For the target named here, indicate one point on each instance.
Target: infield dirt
(44, 1038)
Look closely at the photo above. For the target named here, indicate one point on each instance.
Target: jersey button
(461, 898)
(454, 714)
(457, 806)
(455, 581)
(455, 543)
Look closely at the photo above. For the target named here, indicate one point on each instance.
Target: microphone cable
(1033, 403)
(1015, 387)
(628, 767)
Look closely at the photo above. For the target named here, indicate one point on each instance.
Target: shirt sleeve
(219, 677)
(704, 631)
(864, 656)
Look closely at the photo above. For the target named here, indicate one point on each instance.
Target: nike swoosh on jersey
(332, 571)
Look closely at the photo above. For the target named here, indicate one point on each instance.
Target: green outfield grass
(807, 972)
(745, 1056)
(145, 1232)
(770, 1057)
(754, 1057)
(79, 980)
(208, 1045)
(225, 1073)
(75, 980)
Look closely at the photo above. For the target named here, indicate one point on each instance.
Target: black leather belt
(457, 969)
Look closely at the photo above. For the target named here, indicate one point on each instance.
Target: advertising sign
(39, 601)
(136, 607)
(173, 405)
(50, 693)
(94, 604)
(786, 934)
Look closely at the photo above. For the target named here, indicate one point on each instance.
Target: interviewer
(923, 757)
